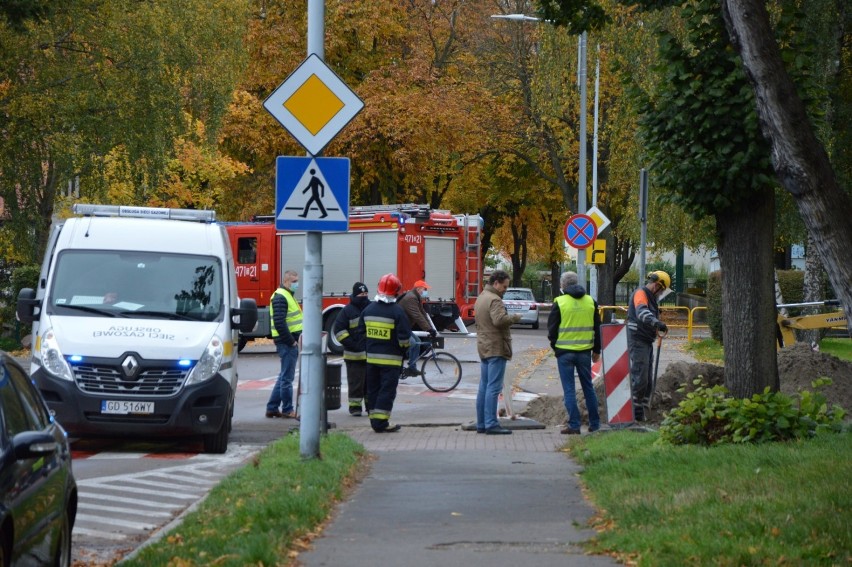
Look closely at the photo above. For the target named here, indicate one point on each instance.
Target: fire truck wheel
(334, 346)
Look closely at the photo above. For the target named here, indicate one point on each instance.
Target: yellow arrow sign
(596, 254)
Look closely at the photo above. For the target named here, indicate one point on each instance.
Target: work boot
(355, 410)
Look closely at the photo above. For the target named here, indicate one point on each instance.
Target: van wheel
(218, 442)
(334, 345)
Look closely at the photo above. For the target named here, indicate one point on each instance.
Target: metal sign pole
(593, 270)
(312, 361)
(643, 219)
(581, 189)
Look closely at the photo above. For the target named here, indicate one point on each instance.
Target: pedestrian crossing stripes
(124, 506)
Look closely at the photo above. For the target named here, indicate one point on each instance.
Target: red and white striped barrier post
(616, 365)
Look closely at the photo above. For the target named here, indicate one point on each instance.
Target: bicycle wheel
(441, 371)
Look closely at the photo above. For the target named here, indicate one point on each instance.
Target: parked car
(521, 300)
(38, 494)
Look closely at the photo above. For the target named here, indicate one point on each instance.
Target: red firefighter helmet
(389, 285)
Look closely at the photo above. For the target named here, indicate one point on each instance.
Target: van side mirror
(245, 317)
(27, 305)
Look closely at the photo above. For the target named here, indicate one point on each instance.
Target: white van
(135, 324)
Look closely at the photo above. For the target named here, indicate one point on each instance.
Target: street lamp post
(581, 79)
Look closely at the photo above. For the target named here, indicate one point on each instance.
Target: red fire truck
(412, 241)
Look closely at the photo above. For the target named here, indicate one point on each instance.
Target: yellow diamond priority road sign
(313, 104)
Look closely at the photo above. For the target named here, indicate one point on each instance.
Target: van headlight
(52, 359)
(209, 363)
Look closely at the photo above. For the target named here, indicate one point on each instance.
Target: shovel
(656, 367)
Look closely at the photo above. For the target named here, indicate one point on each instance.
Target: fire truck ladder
(472, 258)
(412, 209)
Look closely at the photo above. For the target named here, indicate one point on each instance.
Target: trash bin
(332, 384)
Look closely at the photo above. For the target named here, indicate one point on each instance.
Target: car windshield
(518, 294)
(112, 283)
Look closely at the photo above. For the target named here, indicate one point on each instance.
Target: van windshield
(93, 283)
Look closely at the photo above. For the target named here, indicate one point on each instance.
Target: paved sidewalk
(439, 495)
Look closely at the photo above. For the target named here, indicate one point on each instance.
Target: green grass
(706, 350)
(841, 348)
(709, 350)
(769, 504)
(258, 513)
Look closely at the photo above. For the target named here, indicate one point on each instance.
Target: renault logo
(130, 366)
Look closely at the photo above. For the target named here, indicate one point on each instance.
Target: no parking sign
(580, 231)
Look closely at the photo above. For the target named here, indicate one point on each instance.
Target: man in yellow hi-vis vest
(285, 315)
(574, 332)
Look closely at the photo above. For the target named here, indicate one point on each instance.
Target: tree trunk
(555, 274)
(800, 160)
(814, 289)
(745, 241)
(519, 253)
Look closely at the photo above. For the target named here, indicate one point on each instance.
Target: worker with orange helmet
(643, 323)
(412, 303)
(388, 333)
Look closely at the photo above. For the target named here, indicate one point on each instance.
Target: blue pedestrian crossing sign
(312, 194)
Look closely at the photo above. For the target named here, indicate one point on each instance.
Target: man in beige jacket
(494, 344)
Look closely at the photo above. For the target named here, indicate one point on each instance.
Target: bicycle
(439, 370)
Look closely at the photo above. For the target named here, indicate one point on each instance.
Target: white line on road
(164, 484)
(116, 522)
(87, 507)
(78, 531)
(133, 501)
(133, 489)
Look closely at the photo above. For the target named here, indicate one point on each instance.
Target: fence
(675, 317)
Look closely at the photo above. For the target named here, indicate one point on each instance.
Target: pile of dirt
(798, 367)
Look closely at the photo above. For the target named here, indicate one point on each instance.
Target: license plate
(124, 407)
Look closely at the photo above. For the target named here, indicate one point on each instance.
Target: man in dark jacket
(574, 332)
(349, 332)
(643, 322)
(412, 304)
(285, 315)
(387, 332)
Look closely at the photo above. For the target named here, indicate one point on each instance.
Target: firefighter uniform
(349, 332)
(387, 337)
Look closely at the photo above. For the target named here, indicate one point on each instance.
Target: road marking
(78, 531)
(163, 493)
(138, 526)
(90, 507)
(125, 500)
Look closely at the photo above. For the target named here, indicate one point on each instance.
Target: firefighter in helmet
(388, 333)
(643, 323)
(350, 333)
